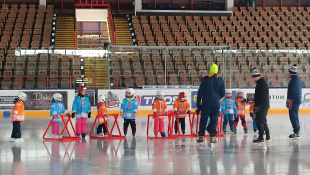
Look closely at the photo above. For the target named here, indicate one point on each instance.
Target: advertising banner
(145, 98)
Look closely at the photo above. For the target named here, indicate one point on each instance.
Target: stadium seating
(25, 26)
(256, 29)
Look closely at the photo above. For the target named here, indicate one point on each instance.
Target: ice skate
(133, 133)
(258, 140)
(20, 140)
(106, 134)
(12, 140)
(235, 131)
(100, 135)
(200, 139)
(245, 130)
(295, 136)
(213, 140)
(255, 130)
(225, 132)
(163, 134)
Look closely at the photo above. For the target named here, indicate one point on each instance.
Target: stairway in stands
(96, 71)
(111, 33)
(123, 34)
(64, 38)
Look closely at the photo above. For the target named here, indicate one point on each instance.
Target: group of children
(233, 110)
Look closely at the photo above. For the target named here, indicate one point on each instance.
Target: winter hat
(255, 73)
(214, 69)
(293, 69)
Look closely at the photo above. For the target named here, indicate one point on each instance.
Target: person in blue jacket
(229, 109)
(129, 109)
(210, 91)
(57, 108)
(81, 109)
(294, 100)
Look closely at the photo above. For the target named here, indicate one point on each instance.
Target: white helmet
(131, 91)
(22, 96)
(57, 97)
(228, 91)
(159, 93)
(239, 91)
(101, 98)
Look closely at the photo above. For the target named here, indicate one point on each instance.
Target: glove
(134, 115)
(58, 117)
(251, 114)
(256, 109)
(166, 113)
(68, 114)
(198, 110)
(89, 115)
(244, 100)
(73, 115)
(121, 114)
(155, 114)
(289, 103)
(235, 116)
(176, 112)
(189, 111)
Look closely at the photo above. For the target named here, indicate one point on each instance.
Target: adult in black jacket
(211, 90)
(261, 99)
(294, 100)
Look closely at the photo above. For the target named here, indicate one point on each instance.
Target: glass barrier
(122, 67)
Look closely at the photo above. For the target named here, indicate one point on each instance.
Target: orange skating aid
(219, 126)
(70, 137)
(110, 135)
(156, 119)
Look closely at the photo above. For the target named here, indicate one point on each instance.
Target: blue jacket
(229, 106)
(294, 90)
(57, 109)
(210, 91)
(81, 107)
(129, 108)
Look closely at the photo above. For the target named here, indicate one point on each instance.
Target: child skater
(252, 114)
(102, 110)
(18, 117)
(160, 110)
(81, 109)
(57, 108)
(129, 109)
(229, 110)
(241, 102)
(181, 106)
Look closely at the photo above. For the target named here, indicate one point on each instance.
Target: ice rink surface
(234, 154)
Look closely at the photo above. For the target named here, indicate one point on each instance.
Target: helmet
(57, 97)
(159, 93)
(228, 92)
(239, 91)
(101, 98)
(182, 95)
(22, 96)
(81, 88)
(131, 91)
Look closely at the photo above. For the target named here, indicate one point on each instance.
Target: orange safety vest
(252, 107)
(181, 107)
(103, 112)
(160, 107)
(18, 112)
(240, 106)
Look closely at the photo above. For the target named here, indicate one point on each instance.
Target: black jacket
(294, 90)
(210, 91)
(261, 96)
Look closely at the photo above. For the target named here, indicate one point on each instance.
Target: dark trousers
(182, 122)
(261, 122)
(100, 128)
(206, 113)
(16, 132)
(132, 123)
(293, 112)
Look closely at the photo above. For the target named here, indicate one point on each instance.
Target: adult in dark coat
(211, 90)
(294, 100)
(261, 107)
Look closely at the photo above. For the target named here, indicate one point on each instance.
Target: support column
(230, 5)
(138, 5)
(43, 2)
